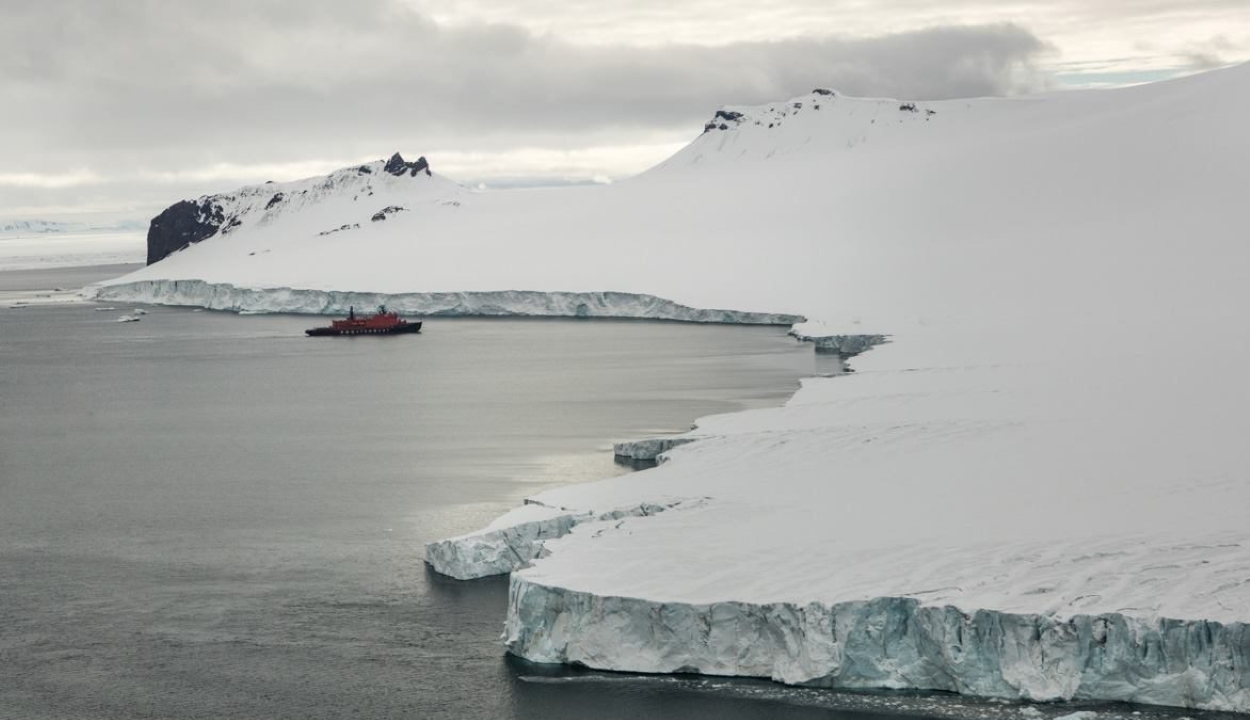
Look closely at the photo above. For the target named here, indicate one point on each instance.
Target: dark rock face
(191, 221)
(822, 91)
(729, 115)
(397, 167)
(341, 228)
(381, 214)
(182, 224)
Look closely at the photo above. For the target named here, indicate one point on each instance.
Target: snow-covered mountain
(1034, 490)
(338, 202)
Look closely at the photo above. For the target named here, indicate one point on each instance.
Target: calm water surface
(204, 515)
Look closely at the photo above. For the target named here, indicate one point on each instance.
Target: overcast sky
(124, 106)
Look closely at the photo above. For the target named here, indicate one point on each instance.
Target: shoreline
(1209, 653)
(504, 303)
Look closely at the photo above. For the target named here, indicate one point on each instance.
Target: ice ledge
(517, 538)
(890, 643)
(509, 303)
(847, 346)
(651, 449)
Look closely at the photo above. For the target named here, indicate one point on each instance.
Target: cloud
(1199, 60)
(48, 180)
(194, 91)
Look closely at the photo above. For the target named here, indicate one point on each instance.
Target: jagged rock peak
(398, 167)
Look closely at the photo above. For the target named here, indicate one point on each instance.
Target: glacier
(1032, 486)
(516, 539)
(891, 642)
(224, 296)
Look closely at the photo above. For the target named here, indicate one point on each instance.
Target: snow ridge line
(502, 550)
(890, 643)
(505, 303)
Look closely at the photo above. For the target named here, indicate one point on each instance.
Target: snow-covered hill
(1035, 490)
(338, 202)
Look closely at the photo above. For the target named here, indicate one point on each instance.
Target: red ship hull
(383, 323)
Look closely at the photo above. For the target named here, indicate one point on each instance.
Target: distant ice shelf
(512, 303)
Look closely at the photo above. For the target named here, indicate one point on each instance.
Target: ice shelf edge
(503, 303)
(500, 551)
(890, 643)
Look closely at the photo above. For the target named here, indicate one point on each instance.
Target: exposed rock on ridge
(397, 167)
(191, 221)
(184, 223)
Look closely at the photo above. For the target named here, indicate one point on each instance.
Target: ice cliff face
(517, 539)
(651, 449)
(188, 222)
(890, 643)
(223, 296)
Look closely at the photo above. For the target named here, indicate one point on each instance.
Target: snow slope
(1036, 490)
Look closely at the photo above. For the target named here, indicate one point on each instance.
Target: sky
(118, 108)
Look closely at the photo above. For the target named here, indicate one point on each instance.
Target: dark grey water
(211, 516)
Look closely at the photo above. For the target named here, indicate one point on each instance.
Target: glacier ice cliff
(649, 449)
(847, 346)
(890, 643)
(512, 303)
(515, 540)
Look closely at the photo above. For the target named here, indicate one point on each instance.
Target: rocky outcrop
(721, 118)
(398, 167)
(182, 224)
(384, 212)
(191, 221)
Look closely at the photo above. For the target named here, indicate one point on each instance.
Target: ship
(384, 322)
